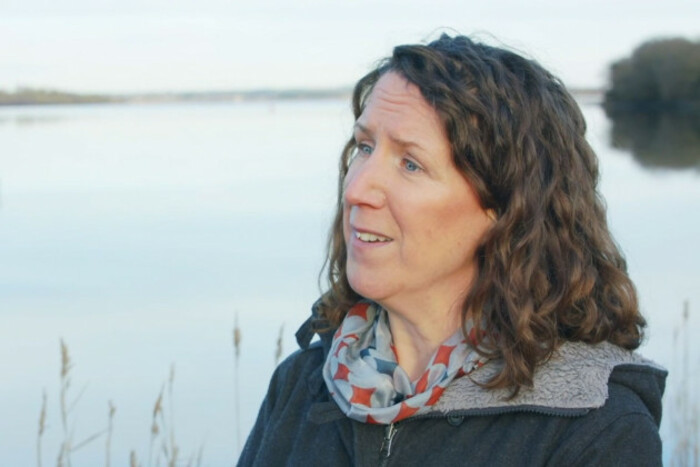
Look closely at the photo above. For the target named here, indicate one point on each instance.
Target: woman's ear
(491, 214)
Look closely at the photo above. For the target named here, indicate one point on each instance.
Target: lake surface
(140, 234)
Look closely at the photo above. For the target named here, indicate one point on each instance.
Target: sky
(112, 46)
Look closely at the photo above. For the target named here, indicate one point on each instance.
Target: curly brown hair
(549, 270)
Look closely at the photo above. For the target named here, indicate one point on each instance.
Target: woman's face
(411, 221)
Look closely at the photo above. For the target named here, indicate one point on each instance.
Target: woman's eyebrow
(395, 139)
(362, 129)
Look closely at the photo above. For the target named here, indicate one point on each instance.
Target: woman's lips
(363, 239)
(370, 237)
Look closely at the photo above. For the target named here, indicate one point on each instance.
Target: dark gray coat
(590, 405)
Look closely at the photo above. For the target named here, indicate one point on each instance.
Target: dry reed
(110, 426)
(686, 434)
(68, 447)
(163, 445)
(173, 446)
(42, 427)
(155, 430)
(237, 337)
(163, 429)
(66, 366)
(278, 347)
(174, 449)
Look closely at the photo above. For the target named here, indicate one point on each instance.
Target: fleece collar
(573, 381)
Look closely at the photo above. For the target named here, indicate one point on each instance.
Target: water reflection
(30, 119)
(658, 139)
(136, 232)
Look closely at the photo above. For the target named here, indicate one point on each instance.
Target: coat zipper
(390, 430)
(389, 433)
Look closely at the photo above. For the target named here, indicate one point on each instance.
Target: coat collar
(573, 381)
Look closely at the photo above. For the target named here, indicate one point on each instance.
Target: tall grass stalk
(162, 428)
(155, 429)
(88, 440)
(42, 428)
(278, 348)
(67, 446)
(237, 337)
(108, 444)
(163, 445)
(66, 366)
(173, 446)
(174, 450)
(685, 416)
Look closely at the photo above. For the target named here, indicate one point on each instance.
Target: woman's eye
(410, 165)
(364, 148)
(361, 149)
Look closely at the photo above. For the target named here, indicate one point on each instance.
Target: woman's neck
(415, 340)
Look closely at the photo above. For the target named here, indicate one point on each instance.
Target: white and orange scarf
(364, 377)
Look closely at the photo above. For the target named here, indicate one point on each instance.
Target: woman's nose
(365, 182)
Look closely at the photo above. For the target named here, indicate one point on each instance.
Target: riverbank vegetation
(653, 103)
(681, 406)
(660, 74)
(30, 96)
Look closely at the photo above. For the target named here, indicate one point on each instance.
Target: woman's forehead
(397, 106)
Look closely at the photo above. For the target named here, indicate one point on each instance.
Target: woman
(479, 311)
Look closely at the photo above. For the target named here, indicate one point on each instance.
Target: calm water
(138, 233)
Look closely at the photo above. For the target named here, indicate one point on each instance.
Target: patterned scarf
(366, 381)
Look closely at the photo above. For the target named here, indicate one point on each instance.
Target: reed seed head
(66, 363)
(42, 414)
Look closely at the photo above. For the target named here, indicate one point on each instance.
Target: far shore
(27, 96)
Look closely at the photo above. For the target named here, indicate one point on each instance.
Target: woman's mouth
(370, 237)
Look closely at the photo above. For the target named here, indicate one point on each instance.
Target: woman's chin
(370, 289)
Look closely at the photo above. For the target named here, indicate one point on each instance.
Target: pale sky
(187, 45)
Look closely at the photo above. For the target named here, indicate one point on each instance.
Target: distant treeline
(28, 96)
(252, 95)
(660, 74)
